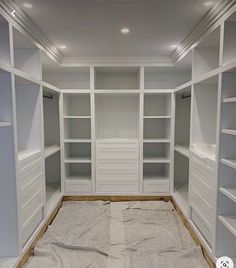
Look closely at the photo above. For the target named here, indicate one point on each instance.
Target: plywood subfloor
(98, 234)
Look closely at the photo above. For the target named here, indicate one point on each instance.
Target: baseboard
(116, 198)
(193, 234)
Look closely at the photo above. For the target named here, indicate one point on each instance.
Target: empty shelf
(26, 154)
(79, 117)
(157, 140)
(157, 117)
(51, 149)
(182, 190)
(78, 159)
(156, 160)
(227, 100)
(229, 192)
(182, 149)
(229, 222)
(5, 124)
(82, 177)
(154, 177)
(229, 162)
(77, 140)
(51, 190)
(229, 131)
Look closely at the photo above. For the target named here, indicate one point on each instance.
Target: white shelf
(77, 140)
(75, 117)
(51, 149)
(156, 160)
(26, 153)
(5, 124)
(52, 189)
(229, 222)
(230, 192)
(156, 140)
(227, 100)
(72, 179)
(182, 190)
(150, 177)
(229, 162)
(229, 131)
(157, 117)
(182, 149)
(78, 160)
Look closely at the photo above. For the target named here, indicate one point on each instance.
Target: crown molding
(111, 61)
(22, 22)
(209, 22)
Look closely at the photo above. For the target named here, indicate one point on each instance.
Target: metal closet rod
(185, 96)
(48, 96)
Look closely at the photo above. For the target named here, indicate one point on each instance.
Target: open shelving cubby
(117, 116)
(207, 54)
(74, 78)
(29, 121)
(168, 77)
(182, 121)
(9, 245)
(229, 46)
(51, 144)
(117, 78)
(5, 56)
(205, 99)
(27, 57)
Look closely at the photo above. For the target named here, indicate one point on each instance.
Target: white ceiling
(91, 28)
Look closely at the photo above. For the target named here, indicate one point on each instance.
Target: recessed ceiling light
(62, 47)
(27, 5)
(125, 30)
(209, 3)
(13, 13)
(174, 46)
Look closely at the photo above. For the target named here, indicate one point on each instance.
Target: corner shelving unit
(156, 148)
(77, 142)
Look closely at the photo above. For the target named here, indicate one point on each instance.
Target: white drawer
(203, 207)
(31, 225)
(116, 187)
(204, 191)
(117, 145)
(82, 186)
(117, 154)
(33, 171)
(202, 226)
(203, 163)
(30, 189)
(150, 186)
(203, 173)
(26, 162)
(115, 166)
(33, 205)
(117, 176)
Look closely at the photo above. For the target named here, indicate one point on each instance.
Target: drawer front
(78, 187)
(117, 145)
(204, 191)
(115, 166)
(116, 187)
(33, 205)
(31, 189)
(156, 187)
(35, 171)
(203, 163)
(117, 154)
(202, 226)
(203, 207)
(117, 176)
(29, 161)
(31, 225)
(207, 177)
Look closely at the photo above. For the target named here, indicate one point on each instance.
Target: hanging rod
(48, 96)
(185, 96)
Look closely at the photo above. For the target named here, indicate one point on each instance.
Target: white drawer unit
(202, 173)
(78, 186)
(117, 166)
(156, 186)
(31, 187)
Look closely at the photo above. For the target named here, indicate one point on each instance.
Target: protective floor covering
(117, 235)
